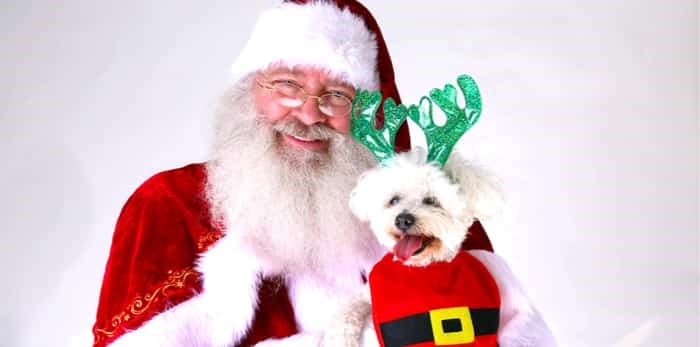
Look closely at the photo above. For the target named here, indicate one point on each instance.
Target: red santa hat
(341, 36)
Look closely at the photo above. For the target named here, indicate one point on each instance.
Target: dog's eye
(394, 200)
(431, 201)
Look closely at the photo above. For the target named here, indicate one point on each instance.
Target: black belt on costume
(447, 326)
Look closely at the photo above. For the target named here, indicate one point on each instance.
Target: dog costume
(453, 303)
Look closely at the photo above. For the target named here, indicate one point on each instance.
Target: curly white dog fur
(421, 213)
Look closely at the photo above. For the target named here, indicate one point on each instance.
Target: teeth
(302, 139)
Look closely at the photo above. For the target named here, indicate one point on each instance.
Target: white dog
(421, 213)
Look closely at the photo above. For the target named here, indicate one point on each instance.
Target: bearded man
(257, 246)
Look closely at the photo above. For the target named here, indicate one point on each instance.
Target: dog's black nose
(404, 221)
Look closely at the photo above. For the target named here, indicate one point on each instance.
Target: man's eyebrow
(283, 71)
(341, 85)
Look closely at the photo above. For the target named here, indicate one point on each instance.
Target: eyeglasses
(290, 94)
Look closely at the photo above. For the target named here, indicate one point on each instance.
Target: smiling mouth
(304, 143)
(299, 138)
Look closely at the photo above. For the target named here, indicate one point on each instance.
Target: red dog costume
(455, 303)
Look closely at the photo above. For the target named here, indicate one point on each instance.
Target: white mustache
(308, 132)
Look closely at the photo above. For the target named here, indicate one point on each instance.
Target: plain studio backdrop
(590, 119)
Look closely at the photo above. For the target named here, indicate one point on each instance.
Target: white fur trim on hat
(318, 34)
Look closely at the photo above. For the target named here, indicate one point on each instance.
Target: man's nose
(309, 112)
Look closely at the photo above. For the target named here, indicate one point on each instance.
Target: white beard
(290, 206)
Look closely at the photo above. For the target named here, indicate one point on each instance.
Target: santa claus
(257, 246)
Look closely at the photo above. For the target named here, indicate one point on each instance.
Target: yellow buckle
(442, 338)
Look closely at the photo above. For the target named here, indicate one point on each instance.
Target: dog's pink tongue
(406, 246)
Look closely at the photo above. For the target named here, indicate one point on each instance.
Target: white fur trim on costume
(231, 279)
(317, 299)
(220, 316)
(520, 323)
(318, 34)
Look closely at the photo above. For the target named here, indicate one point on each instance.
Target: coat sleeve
(520, 323)
(150, 266)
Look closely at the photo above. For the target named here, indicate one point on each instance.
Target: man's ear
(480, 188)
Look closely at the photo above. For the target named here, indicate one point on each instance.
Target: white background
(590, 117)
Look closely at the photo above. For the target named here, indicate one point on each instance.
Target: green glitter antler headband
(364, 109)
(440, 139)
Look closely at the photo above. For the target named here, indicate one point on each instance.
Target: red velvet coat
(162, 229)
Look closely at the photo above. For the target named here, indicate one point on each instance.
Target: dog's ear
(481, 189)
(359, 197)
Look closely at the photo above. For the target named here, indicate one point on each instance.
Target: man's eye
(287, 87)
(339, 94)
(286, 83)
(336, 99)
